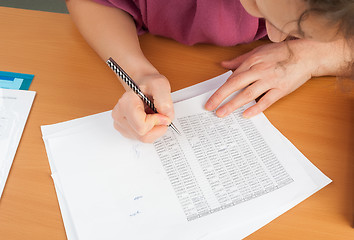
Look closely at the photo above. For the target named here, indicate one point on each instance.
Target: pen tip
(174, 128)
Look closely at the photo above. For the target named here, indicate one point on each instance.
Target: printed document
(222, 178)
(15, 106)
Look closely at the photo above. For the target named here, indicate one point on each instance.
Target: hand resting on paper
(134, 120)
(274, 70)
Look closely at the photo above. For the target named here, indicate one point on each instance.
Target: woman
(320, 43)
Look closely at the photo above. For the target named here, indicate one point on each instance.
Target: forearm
(111, 32)
(326, 58)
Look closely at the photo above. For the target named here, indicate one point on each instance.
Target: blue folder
(17, 81)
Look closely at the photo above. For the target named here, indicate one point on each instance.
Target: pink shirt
(220, 22)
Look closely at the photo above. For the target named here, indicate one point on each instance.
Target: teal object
(17, 81)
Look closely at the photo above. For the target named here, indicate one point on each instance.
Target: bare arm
(111, 32)
(331, 58)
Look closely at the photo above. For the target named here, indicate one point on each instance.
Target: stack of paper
(220, 179)
(15, 106)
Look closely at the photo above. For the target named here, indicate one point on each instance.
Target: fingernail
(221, 112)
(247, 114)
(163, 121)
(209, 106)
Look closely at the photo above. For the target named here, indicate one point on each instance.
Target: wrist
(142, 68)
(325, 58)
(136, 68)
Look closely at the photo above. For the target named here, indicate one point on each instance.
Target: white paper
(15, 106)
(111, 187)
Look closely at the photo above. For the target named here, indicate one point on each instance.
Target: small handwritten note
(136, 204)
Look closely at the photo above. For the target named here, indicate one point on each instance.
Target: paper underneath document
(15, 106)
(222, 179)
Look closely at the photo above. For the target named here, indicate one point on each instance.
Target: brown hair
(336, 12)
(339, 12)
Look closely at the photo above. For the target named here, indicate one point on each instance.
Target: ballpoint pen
(129, 81)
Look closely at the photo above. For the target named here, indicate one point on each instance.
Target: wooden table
(71, 81)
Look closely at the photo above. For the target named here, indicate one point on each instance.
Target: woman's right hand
(102, 27)
(133, 119)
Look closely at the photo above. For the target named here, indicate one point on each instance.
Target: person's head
(320, 20)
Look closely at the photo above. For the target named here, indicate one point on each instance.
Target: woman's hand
(274, 70)
(135, 120)
(102, 27)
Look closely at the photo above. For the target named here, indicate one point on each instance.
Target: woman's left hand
(274, 70)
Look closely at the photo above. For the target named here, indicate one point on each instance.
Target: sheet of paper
(15, 106)
(105, 181)
(243, 230)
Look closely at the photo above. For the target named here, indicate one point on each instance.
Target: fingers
(233, 84)
(245, 96)
(124, 128)
(266, 101)
(254, 83)
(257, 72)
(236, 62)
(244, 75)
(131, 120)
(248, 95)
(161, 92)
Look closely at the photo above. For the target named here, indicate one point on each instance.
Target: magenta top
(220, 22)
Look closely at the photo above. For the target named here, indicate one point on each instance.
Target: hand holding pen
(131, 118)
